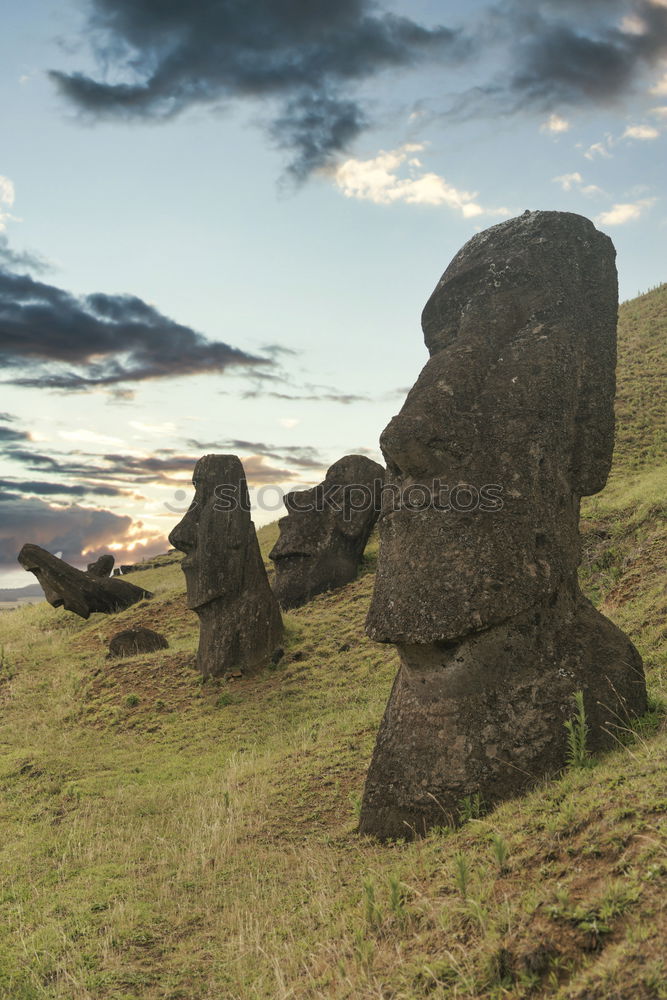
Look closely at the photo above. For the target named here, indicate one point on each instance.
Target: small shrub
(577, 734)
(471, 807)
(462, 873)
(500, 851)
(132, 700)
(224, 699)
(397, 896)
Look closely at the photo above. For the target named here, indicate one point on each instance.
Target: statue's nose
(184, 535)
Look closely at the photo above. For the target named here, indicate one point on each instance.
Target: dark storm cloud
(42, 487)
(165, 466)
(10, 434)
(564, 53)
(126, 469)
(579, 59)
(304, 56)
(70, 342)
(69, 530)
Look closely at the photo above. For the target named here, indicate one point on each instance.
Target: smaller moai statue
(323, 537)
(102, 567)
(239, 619)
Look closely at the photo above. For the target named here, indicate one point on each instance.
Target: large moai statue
(239, 619)
(323, 537)
(82, 593)
(509, 424)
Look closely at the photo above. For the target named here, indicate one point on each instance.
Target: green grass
(164, 839)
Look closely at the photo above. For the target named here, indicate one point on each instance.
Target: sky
(219, 224)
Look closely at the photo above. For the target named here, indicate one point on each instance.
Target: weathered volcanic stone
(509, 424)
(82, 593)
(102, 567)
(132, 641)
(323, 537)
(239, 618)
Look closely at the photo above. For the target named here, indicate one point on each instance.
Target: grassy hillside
(164, 839)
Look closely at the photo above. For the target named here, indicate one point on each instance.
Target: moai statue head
(215, 530)
(508, 425)
(323, 537)
(227, 586)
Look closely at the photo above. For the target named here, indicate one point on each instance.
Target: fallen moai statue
(323, 537)
(76, 591)
(509, 424)
(240, 624)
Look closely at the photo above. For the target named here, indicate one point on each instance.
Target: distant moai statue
(509, 424)
(102, 567)
(82, 593)
(227, 586)
(323, 537)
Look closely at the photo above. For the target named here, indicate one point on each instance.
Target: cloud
(558, 54)
(303, 456)
(600, 149)
(621, 213)
(164, 428)
(660, 86)
(556, 124)
(575, 182)
(661, 112)
(640, 132)
(306, 63)
(22, 259)
(344, 398)
(86, 436)
(158, 60)
(71, 529)
(10, 434)
(6, 200)
(165, 467)
(72, 342)
(43, 487)
(378, 180)
(586, 59)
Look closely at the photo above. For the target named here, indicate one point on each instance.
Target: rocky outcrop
(132, 641)
(323, 537)
(509, 424)
(227, 586)
(76, 591)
